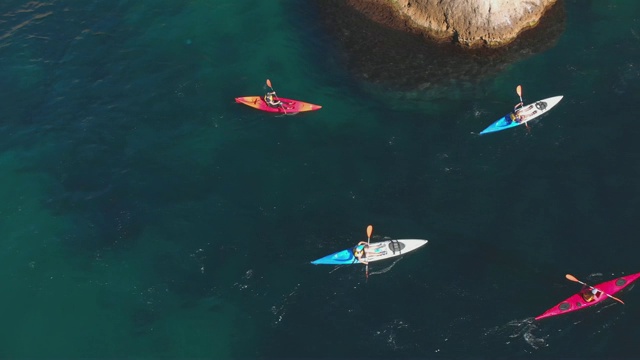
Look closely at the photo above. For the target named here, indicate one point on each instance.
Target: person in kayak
(272, 99)
(590, 295)
(515, 115)
(363, 250)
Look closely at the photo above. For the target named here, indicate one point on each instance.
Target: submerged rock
(383, 46)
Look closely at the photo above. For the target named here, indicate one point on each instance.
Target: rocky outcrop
(471, 23)
(380, 46)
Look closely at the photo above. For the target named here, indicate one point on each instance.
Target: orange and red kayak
(289, 106)
(577, 302)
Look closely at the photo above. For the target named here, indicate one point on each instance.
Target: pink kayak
(289, 106)
(577, 301)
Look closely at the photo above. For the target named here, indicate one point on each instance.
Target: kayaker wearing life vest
(271, 99)
(362, 251)
(590, 295)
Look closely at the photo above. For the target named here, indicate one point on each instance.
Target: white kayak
(380, 251)
(527, 113)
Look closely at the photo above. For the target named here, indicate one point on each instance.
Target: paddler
(363, 250)
(590, 295)
(272, 99)
(515, 115)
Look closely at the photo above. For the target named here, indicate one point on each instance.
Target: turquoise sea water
(145, 214)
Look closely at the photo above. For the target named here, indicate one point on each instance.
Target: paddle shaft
(369, 232)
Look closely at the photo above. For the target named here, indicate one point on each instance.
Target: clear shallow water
(145, 214)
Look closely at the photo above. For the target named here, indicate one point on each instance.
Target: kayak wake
(519, 329)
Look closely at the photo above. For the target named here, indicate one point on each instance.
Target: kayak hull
(576, 302)
(290, 106)
(529, 112)
(386, 249)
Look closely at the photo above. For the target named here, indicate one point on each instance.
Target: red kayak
(578, 301)
(289, 106)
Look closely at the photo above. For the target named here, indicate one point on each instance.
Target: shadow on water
(404, 61)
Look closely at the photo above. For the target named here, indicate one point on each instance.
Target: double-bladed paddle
(369, 232)
(573, 278)
(519, 92)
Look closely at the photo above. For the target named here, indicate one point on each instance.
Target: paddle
(519, 92)
(281, 106)
(573, 278)
(369, 232)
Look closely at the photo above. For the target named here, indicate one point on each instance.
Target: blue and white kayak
(528, 113)
(384, 250)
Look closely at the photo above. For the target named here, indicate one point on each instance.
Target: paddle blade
(269, 83)
(519, 90)
(369, 230)
(615, 298)
(572, 278)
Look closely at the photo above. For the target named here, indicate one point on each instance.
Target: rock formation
(471, 23)
(381, 44)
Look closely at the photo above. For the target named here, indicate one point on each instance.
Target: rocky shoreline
(381, 47)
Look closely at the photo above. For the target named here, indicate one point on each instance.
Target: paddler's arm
(515, 108)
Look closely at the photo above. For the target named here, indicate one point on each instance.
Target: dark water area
(147, 215)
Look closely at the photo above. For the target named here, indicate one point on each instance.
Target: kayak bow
(290, 106)
(577, 302)
(387, 249)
